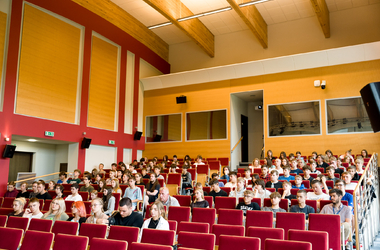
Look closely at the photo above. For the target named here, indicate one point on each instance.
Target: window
(163, 128)
(347, 115)
(208, 125)
(301, 118)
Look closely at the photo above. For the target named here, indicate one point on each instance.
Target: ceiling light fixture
(211, 12)
(32, 140)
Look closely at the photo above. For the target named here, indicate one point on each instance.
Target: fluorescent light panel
(211, 12)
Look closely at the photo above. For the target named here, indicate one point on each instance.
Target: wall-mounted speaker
(137, 136)
(9, 151)
(86, 142)
(157, 138)
(181, 99)
(371, 99)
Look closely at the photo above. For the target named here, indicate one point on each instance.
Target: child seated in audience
(247, 175)
(298, 182)
(347, 178)
(259, 191)
(76, 179)
(12, 191)
(139, 179)
(144, 173)
(93, 195)
(215, 189)
(247, 204)
(286, 176)
(62, 178)
(265, 173)
(157, 171)
(330, 174)
(74, 196)
(173, 169)
(306, 170)
(313, 166)
(233, 179)
(318, 193)
(33, 210)
(293, 167)
(274, 183)
(278, 167)
(287, 186)
(226, 172)
(301, 207)
(112, 176)
(216, 176)
(239, 190)
(275, 199)
(322, 179)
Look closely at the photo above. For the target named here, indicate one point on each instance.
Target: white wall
(255, 130)
(139, 155)
(127, 156)
(99, 154)
(238, 108)
(73, 150)
(46, 157)
(348, 27)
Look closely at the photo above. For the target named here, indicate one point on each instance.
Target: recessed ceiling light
(32, 140)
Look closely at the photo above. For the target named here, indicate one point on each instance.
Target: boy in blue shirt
(298, 182)
(286, 176)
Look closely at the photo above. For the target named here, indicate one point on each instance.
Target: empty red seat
(196, 227)
(226, 189)
(255, 218)
(73, 242)
(329, 223)
(128, 234)
(224, 161)
(179, 213)
(173, 225)
(230, 216)
(34, 240)
(225, 202)
(206, 215)
(101, 244)
(227, 242)
(18, 222)
(156, 236)
(319, 240)
(266, 233)
(288, 221)
(272, 244)
(5, 211)
(219, 229)
(10, 233)
(146, 246)
(93, 230)
(184, 200)
(3, 220)
(196, 240)
(65, 227)
(46, 205)
(40, 225)
(8, 202)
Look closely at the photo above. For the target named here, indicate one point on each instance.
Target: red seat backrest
(224, 161)
(230, 217)
(65, 227)
(8, 202)
(156, 236)
(146, 246)
(179, 213)
(319, 240)
(3, 220)
(18, 222)
(227, 242)
(129, 234)
(100, 244)
(225, 202)
(40, 225)
(93, 230)
(10, 233)
(184, 200)
(31, 238)
(288, 221)
(265, 233)
(273, 244)
(196, 227)
(174, 179)
(219, 229)
(64, 241)
(226, 189)
(206, 215)
(196, 240)
(258, 219)
(329, 223)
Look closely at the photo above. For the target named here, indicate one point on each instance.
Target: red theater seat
(329, 223)
(206, 215)
(40, 225)
(65, 227)
(93, 231)
(271, 244)
(184, 200)
(288, 221)
(227, 242)
(258, 219)
(196, 240)
(219, 229)
(10, 233)
(73, 242)
(319, 240)
(195, 227)
(266, 233)
(34, 240)
(159, 237)
(128, 234)
(230, 217)
(101, 244)
(18, 222)
(146, 246)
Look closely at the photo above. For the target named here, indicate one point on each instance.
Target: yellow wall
(297, 86)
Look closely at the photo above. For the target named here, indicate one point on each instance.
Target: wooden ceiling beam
(252, 17)
(194, 28)
(123, 20)
(323, 15)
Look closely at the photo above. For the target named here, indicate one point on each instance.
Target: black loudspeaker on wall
(181, 99)
(371, 99)
(86, 142)
(9, 151)
(137, 136)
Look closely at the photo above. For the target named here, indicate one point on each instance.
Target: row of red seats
(196, 235)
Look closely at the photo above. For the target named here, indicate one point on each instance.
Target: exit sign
(111, 142)
(49, 133)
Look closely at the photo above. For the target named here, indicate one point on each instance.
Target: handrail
(33, 178)
(236, 144)
(366, 208)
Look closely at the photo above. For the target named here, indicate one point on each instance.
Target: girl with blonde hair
(18, 207)
(115, 186)
(158, 219)
(97, 217)
(56, 210)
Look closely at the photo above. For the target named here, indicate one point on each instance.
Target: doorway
(21, 162)
(244, 141)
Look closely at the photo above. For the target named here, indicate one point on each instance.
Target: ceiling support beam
(323, 15)
(123, 20)
(252, 17)
(194, 28)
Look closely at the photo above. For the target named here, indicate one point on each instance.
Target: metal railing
(366, 206)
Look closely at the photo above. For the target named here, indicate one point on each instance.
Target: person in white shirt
(198, 161)
(33, 210)
(74, 196)
(259, 191)
(157, 221)
(277, 164)
(318, 194)
(239, 190)
(233, 179)
(346, 177)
